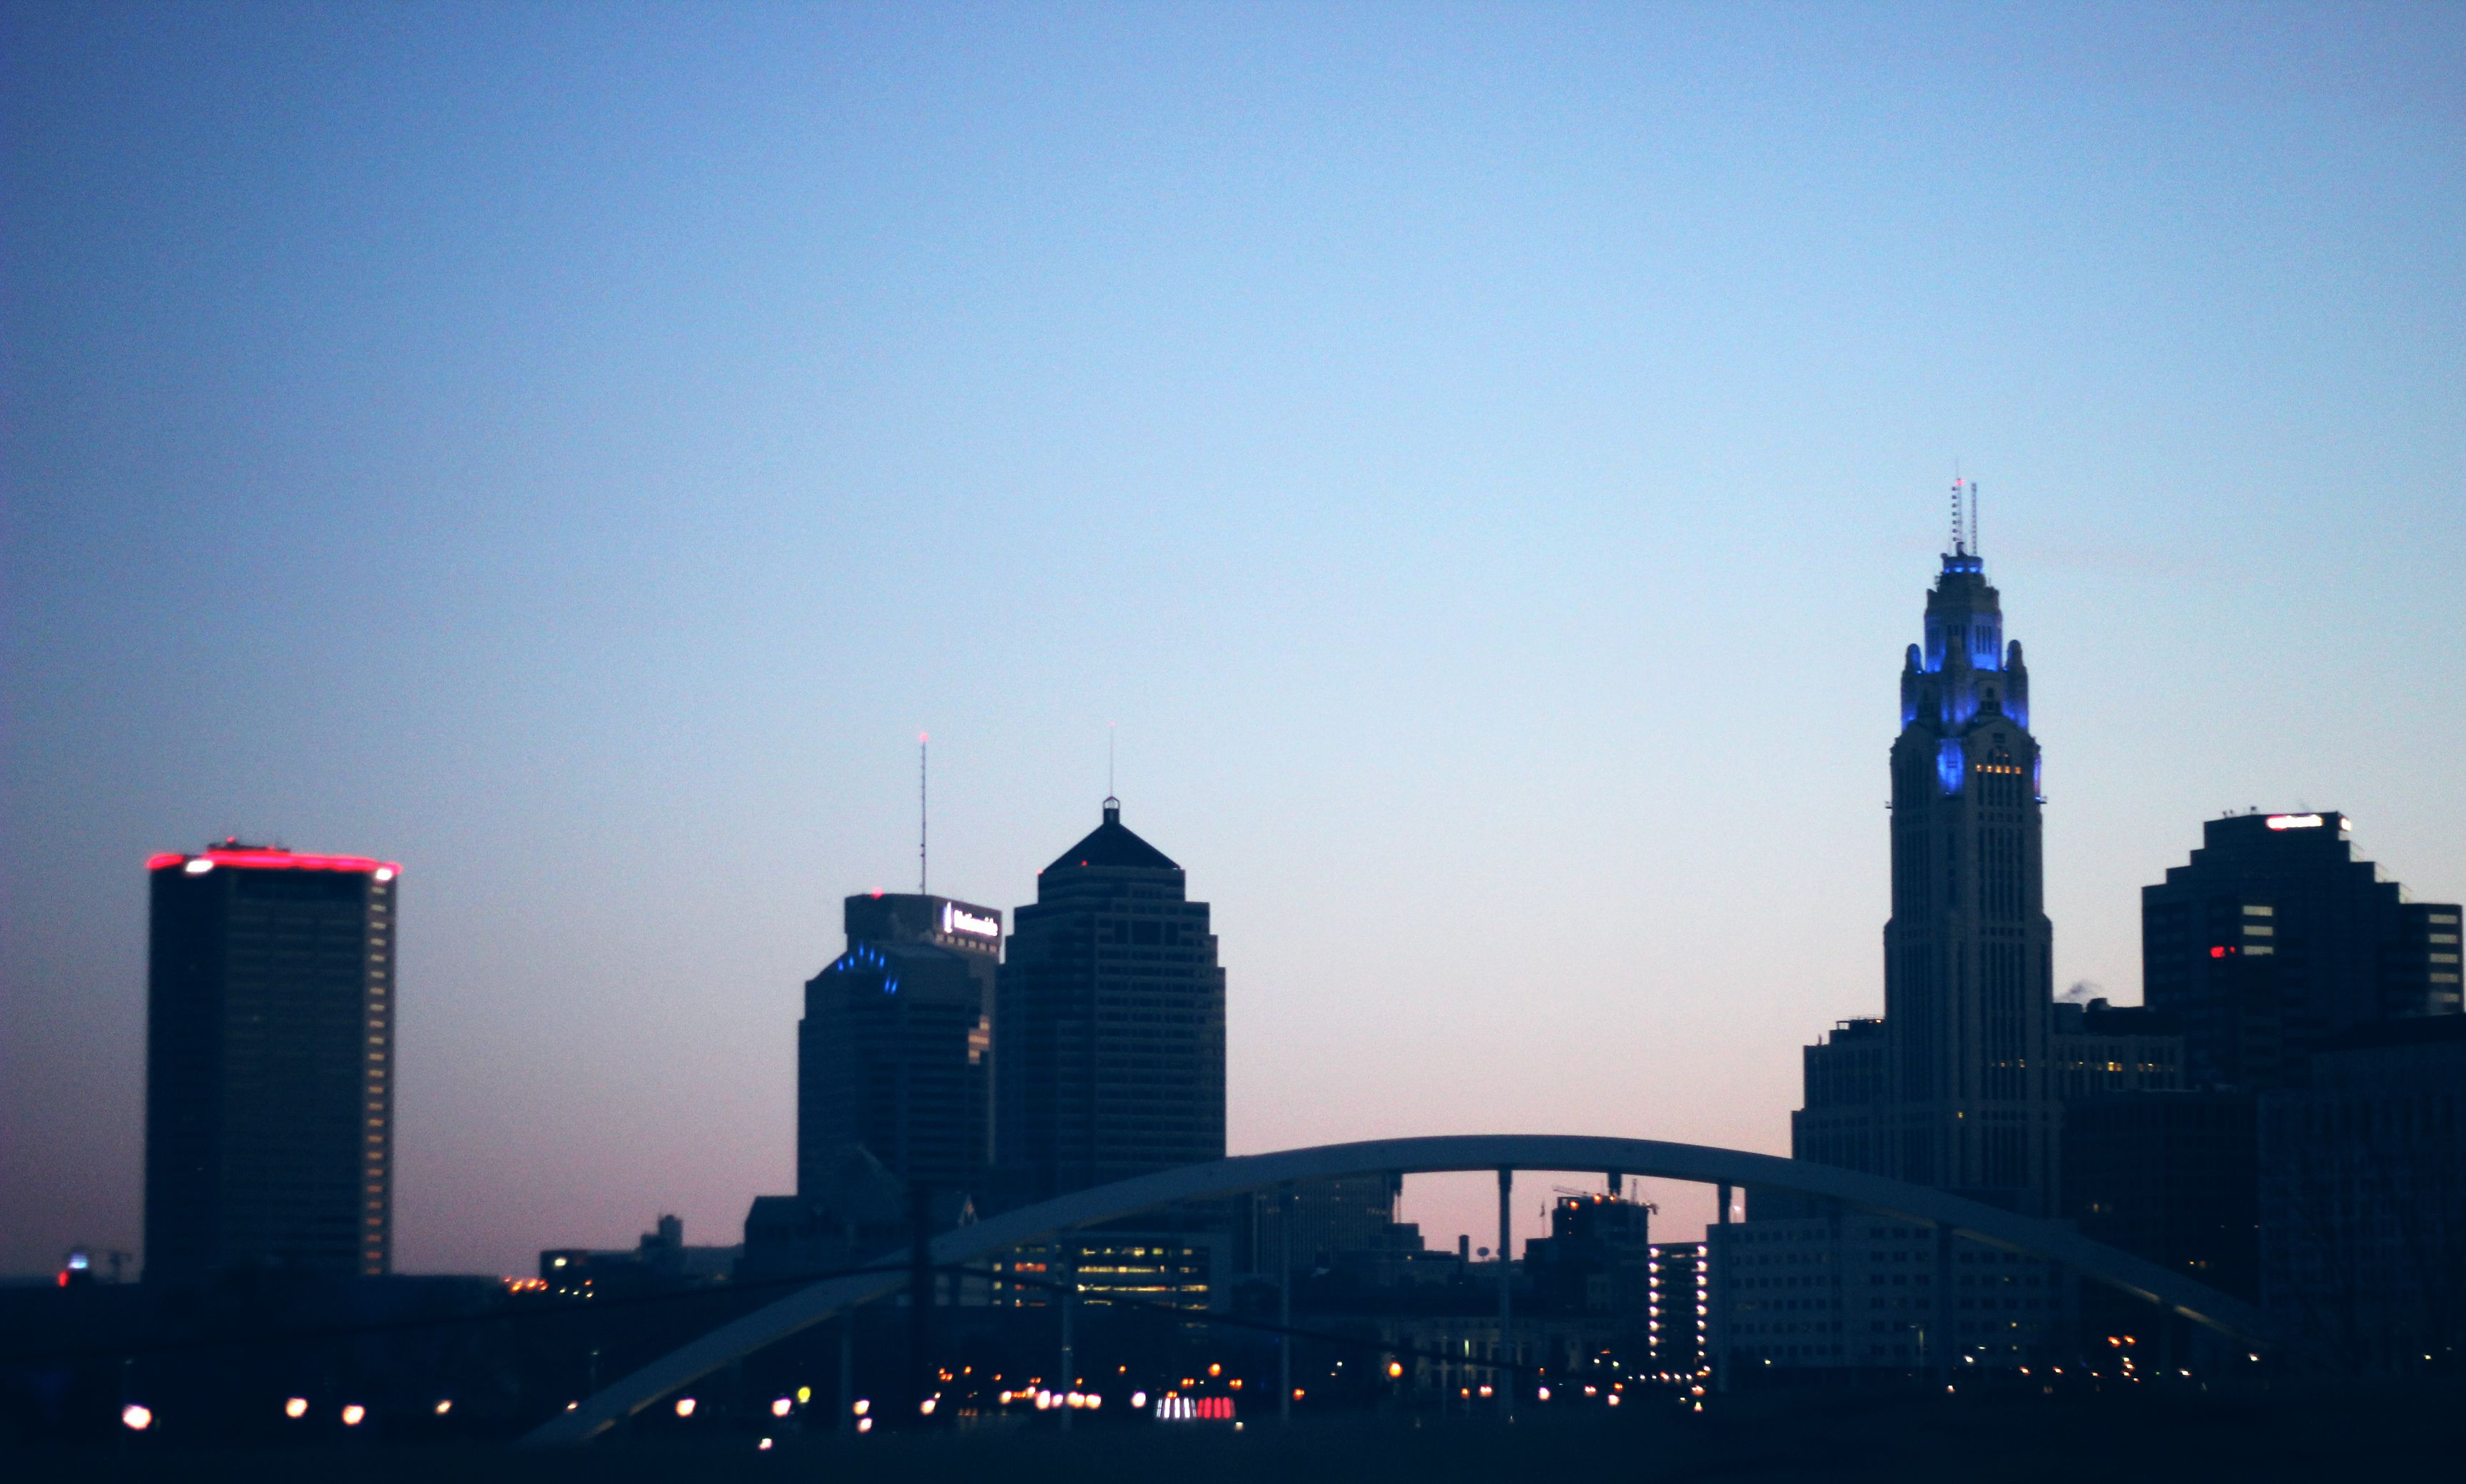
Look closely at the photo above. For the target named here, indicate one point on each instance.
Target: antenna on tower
(921, 815)
(1960, 548)
(1109, 758)
(1976, 543)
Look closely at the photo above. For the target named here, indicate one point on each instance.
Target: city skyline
(1495, 550)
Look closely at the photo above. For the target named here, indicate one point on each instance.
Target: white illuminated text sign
(958, 919)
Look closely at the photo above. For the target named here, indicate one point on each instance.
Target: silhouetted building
(2362, 1198)
(894, 1052)
(1331, 1219)
(1950, 1088)
(1848, 1092)
(2170, 1177)
(1110, 1028)
(2099, 1049)
(269, 1081)
(661, 1259)
(1967, 981)
(2275, 939)
(1596, 1258)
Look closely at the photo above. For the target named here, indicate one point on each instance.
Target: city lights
(135, 1418)
(296, 1407)
(782, 1407)
(353, 1414)
(684, 1407)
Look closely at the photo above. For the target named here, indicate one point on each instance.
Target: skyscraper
(894, 1052)
(269, 1084)
(2275, 939)
(1109, 1029)
(1967, 968)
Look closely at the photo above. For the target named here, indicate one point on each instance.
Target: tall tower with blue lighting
(1968, 979)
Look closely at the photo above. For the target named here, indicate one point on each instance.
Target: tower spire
(921, 814)
(1960, 548)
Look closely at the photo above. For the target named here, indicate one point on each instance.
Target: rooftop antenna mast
(1977, 543)
(921, 815)
(1109, 758)
(1960, 548)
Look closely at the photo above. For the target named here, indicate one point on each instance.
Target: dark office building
(2099, 1049)
(1848, 1093)
(2363, 1199)
(894, 1053)
(2274, 939)
(1598, 1257)
(1110, 1028)
(2169, 1177)
(1329, 1220)
(269, 1079)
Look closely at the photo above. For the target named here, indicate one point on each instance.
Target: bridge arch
(1244, 1173)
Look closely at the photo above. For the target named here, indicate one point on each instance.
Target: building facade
(2363, 1199)
(1848, 1290)
(1109, 1027)
(2097, 1049)
(2273, 938)
(2168, 1176)
(894, 1052)
(1848, 1098)
(1679, 1311)
(270, 1063)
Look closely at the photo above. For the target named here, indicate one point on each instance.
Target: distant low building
(1331, 1219)
(1848, 1290)
(660, 1259)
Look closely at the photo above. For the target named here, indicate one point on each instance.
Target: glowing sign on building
(2294, 821)
(959, 919)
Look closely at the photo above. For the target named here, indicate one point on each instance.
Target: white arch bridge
(1953, 1216)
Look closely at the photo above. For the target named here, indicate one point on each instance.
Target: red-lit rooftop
(270, 858)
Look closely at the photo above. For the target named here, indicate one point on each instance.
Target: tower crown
(1963, 669)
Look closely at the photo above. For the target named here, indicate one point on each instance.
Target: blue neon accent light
(1948, 766)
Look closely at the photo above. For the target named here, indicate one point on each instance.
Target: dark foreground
(2291, 1432)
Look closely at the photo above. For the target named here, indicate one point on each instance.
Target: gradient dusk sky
(1486, 460)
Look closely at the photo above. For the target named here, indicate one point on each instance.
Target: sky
(1482, 464)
